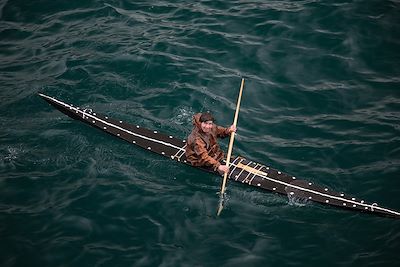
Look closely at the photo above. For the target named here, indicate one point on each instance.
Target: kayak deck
(241, 170)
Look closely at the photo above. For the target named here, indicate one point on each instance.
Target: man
(202, 148)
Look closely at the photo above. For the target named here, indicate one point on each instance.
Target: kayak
(241, 170)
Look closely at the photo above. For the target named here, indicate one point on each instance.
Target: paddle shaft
(232, 138)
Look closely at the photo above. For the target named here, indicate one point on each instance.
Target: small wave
(297, 201)
(11, 155)
(183, 115)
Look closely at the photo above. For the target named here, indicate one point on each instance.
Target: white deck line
(112, 125)
(371, 206)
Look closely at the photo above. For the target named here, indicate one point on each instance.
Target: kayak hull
(241, 170)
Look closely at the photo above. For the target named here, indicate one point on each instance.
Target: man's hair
(206, 117)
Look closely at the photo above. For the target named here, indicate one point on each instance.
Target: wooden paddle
(230, 147)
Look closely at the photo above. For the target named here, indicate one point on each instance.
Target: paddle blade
(221, 203)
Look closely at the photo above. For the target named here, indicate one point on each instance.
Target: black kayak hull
(241, 170)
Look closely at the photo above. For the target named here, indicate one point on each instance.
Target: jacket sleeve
(201, 151)
(222, 132)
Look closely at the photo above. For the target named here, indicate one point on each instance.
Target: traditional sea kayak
(241, 170)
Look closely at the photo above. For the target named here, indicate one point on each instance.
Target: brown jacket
(202, 149)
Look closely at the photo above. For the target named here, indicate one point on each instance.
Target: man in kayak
(202, 148)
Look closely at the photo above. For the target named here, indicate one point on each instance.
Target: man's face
(207, 126)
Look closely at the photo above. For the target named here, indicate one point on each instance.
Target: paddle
(230, 147)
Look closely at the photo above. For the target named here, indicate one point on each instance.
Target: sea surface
(321, 102)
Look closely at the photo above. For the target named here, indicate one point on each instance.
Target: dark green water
(321, 102)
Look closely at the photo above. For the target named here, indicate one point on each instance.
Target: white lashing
(260, 167)
(245, 180)
(233, 163)
(181, 152)
(84, 112)
(242, 170)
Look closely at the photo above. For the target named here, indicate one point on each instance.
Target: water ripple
(320, 102)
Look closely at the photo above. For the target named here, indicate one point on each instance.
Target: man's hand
(223, 169)
(232, 129)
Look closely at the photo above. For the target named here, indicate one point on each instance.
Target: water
(321, 102)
